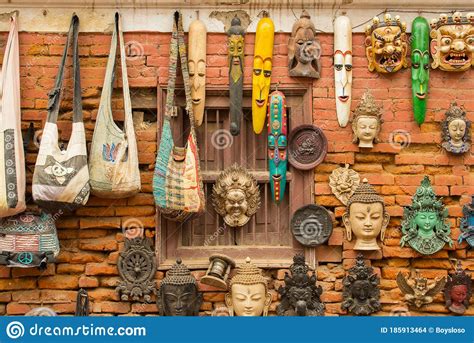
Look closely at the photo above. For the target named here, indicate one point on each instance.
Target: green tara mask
(420, 66)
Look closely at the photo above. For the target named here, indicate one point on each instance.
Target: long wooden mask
(343, 68)
(386, 44)
(197, 68)
(262, 71)
(236, 73)
(452, 42)
(277, 144)
(420, 66)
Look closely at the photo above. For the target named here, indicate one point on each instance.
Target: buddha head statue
(366, 217)
(367, 121)
(178, 294)
(304, 50)
(248, 292)
(300, 296)
(456, 130)
(424, 226)
(236, 196)
(458, 290)
(360, 289)
(386, 44)
(452, 42)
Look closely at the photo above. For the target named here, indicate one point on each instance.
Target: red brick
(59, 282)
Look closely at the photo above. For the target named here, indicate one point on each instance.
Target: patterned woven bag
(177, 183)
(61, 177)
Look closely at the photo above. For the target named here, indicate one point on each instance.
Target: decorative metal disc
(311, 225)
(307, 147)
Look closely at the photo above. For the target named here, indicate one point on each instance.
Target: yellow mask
(262, 71)
(197, 68)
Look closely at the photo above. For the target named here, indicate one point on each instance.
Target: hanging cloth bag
(12, 157)
(61, 177)
(113, 164)
(177, 183)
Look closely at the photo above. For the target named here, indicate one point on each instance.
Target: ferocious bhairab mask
(424, 226)
(343, 68)
(420, 66)
(262, 71)
(366, 217)
(277, 144)
(178, 294)
(367, 121)
(236, 73)
(300, 296)
(386, 45)
(417, 291)
(456, 130)
(361, 289)
(236, 196)
(304, 50)
(467, 224)
(452, 42)
(248, 292)
(197, 68)
(458, 290)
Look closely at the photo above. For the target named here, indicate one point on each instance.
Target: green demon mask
(420, 66)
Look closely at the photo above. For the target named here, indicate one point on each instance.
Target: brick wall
(91, 238)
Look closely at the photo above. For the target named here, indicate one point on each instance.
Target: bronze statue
(458, 290)
(300, 296)
(456, 130)
(361, 289)
(178, 294)
(417, 291)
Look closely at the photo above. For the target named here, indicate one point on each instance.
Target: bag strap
(55, 93)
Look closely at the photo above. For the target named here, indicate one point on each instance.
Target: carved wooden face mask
(197, 68)
(367, 121)
(343, 68)
(420, 67)
(262, 72)
(452, 42)
(456, 130)
(277, 145)
(386, 45)
(304, 50)
(236, 73)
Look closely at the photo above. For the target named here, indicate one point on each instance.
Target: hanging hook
(276, 86)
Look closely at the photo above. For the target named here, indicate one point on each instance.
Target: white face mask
(197, 68)
(343, 68)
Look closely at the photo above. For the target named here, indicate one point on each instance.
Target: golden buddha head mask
(248, 295)
(386, 44)
(236, 196)
(367, 121)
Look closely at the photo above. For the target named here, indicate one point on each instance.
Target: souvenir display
(236, 196)
(12, 156)
(300, 296)
(343, 183)
(420, 66)
(456, 130)
(458, 290)
(425, 226)
(367, 122)
(467, 224)
(452, 42)
(137, 268)
(311, 225)
(386, 44)
(82, 303)
(177, 184)
(248, 292)
(366, 217)
(61, 177)
(178, 294)
(343, 68)
(304, 50)
(113, 162)
(218, 271)
(28, 240)
(361, 291)
(262, 71)
(307, 147)
(236, 46)
(277, 144)
(197, 68)
(417, 291)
